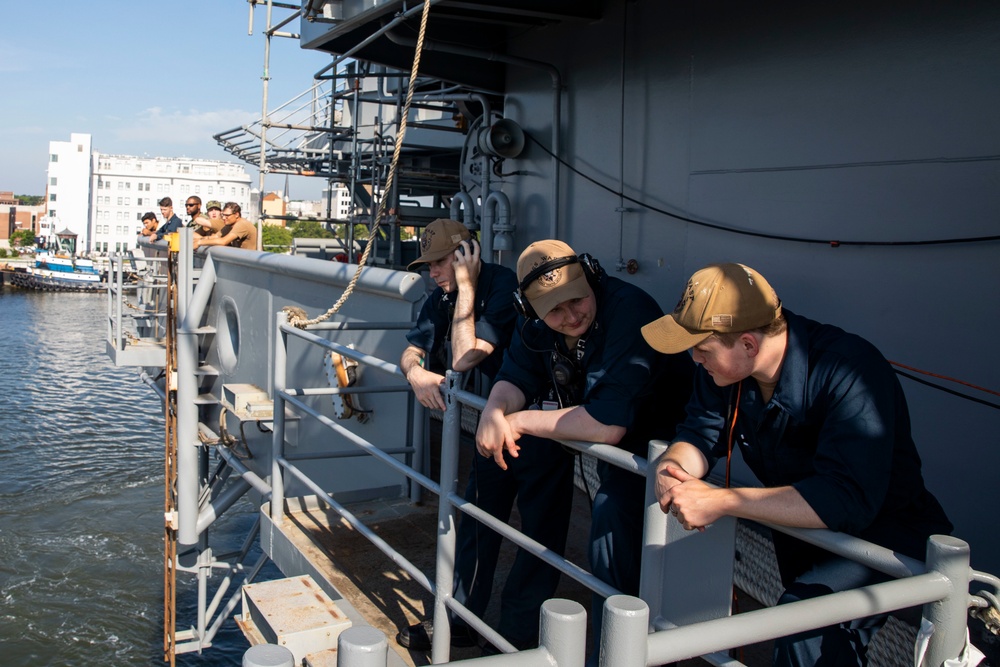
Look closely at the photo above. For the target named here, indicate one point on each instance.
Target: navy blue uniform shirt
(837, 429)
(493, 313)
(168, 227)
(623, 381)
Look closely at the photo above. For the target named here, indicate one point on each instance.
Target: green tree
(30, 200)
(276, 238)
(24, 238)
(310, 229)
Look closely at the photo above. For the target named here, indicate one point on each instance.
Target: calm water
(81, 496)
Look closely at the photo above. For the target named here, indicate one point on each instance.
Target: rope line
(295, 315)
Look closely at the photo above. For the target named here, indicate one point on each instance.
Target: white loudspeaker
(502, 139)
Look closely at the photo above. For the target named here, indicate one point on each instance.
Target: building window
(121, 185)
(147, 187)
(210, 189)
(128, 201)
(52, 181)
(79, 148)
(52, 196)
(119, 201)
(53, 158)
(52, 213)
(197, 189)
(128, 185)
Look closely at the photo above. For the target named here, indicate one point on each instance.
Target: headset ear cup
(591, 269)
(523, 306)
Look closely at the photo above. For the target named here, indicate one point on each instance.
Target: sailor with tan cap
(819, 417)
(465, 325)
(578, 357)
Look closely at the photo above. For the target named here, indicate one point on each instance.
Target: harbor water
(81, 496)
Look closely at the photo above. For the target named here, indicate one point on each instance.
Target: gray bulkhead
(851, 122)
(250, 289)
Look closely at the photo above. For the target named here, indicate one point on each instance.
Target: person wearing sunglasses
(236, 231)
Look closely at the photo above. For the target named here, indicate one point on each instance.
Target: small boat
(58, 273)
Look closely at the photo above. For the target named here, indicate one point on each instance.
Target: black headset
(591, 269)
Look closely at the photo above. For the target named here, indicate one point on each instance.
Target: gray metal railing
(632, 634)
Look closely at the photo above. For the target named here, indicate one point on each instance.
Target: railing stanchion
(278, 426)
(949, 556)
(362, 646)
(623, 632)
(563, 632)
(445, 568)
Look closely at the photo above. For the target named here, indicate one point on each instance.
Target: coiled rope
(297, 316)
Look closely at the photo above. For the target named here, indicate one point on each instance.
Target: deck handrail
(942, 587)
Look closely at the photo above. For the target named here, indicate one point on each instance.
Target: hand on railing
(427, 387)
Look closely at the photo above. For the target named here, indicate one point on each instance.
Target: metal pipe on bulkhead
(461, 204)
(496, 212)
(430, 45)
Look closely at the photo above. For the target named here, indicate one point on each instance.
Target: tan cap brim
(577, 288)
(429, 257)
(666, 336)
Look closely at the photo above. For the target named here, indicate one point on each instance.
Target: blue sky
(143, 78)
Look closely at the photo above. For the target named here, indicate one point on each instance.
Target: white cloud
(181, 128)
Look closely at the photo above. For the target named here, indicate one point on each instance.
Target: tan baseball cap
(721, 298)
(551, 288)
(440, 239)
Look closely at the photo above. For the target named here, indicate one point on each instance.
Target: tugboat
(59, 271)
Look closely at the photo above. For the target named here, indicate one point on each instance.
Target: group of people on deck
(222, 224)
(567, 352)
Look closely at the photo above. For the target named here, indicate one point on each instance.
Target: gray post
(420, 460)
(654, 536)
(445, 570)
(188, 486)
(950, 557)
(268, 655)
(362, 646)
(278, 426)
(563, 632)
(624, 632)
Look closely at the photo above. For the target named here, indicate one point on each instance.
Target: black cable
(988, 404)
(744, 232)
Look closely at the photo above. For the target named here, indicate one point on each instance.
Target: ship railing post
(706, 592)
(278, 434)
(420, 459)
(949, 616)
(362, 646)
(188, 445)
(563, 632)
(624, 630)
(445, 566)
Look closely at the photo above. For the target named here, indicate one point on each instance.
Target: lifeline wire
(743, 232)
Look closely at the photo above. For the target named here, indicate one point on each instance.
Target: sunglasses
(190, 204)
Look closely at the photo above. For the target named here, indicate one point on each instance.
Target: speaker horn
(502, 139)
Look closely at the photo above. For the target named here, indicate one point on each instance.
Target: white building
(102, 197)
(341, 207)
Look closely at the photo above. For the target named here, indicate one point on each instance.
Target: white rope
(296, 316)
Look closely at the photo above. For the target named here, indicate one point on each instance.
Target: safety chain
(296, 316)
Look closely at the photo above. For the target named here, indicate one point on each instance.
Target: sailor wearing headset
(465, 325)
(579, 336)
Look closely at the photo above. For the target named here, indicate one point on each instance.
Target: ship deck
(388, 598)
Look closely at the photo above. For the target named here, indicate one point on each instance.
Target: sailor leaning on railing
(577, 354)
(819, 417)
